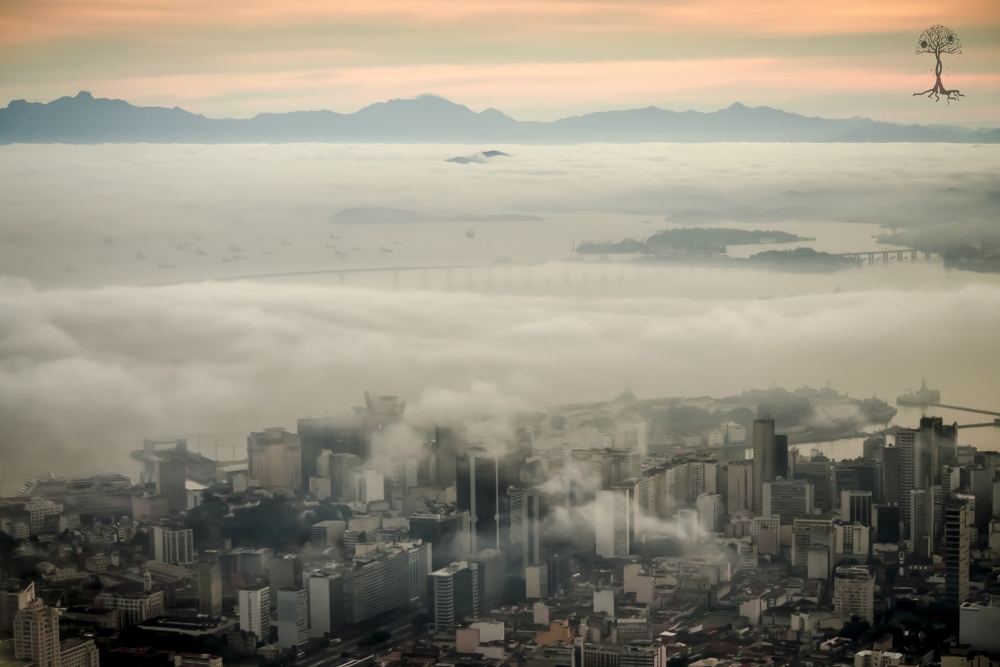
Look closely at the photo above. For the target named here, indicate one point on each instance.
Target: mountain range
(84, 119)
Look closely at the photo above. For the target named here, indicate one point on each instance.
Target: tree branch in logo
(937, 40)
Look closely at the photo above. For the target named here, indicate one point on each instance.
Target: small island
(688, 241)
(801, 259)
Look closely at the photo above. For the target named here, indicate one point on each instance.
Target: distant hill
(85, 119)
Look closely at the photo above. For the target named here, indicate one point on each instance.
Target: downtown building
(957, 538)
(255, 612)
(453, 594)
(854, 592)
(274, 459)
(787, 499)
(763, 459)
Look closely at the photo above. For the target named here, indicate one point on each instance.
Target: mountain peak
(435, 119)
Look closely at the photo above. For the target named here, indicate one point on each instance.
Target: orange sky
(533, 59)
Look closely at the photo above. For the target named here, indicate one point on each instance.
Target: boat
(922, 397)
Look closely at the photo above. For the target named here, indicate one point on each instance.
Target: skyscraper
(781, 456)
(255, 612)
(787, 499)
(854, 592)
(349, 434)
(174, 546)
(856, 507)
(981, 486)
(919, 530)
(454, 594)
(209, 586)
(492, 576)
(326, 603)
(957, 536)
(36, 634)
(891, 472)
(293, 617)
(274, 459)
(447, 533)
(528, 509)
(614, 522)
(763, 459)
(739, 486)
(14, 597)
(909, 461)
(482, 486)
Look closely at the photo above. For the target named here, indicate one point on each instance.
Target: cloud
(106, 367)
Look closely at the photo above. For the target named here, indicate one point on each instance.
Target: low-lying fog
(93, 357)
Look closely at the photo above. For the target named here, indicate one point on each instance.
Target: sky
(532, 59)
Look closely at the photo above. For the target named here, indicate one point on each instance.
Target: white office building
(173, 546)
(255, 612)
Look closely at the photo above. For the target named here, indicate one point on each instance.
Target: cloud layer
(84, 375)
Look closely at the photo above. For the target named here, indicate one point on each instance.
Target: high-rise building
(327, 607)
(781, 457)
(919, 530)
(338, 468)
(482, 488)
(209, 585)
(854, 592)
(378, 582)
(891, 475)
(763, 459)
(36, 634)
(174, 546)
(448, 444)
(981, 486)
(614, 522)
(874, 448)
(887, 523)
(909, 472)
(274, 459)
(740, 491)
(860, 475)
(325, 534)
(79, 653)
(491, 567)
(710, 510)
(170, 476)
(447, 532)
(787, 499)
(284, 571)
(957, 539)
(939, 446)
(14, 597)
(293, 617)
(255, 612)
(134, 607)
(348, 434)
(808, 533)
(454, 593)
(528, 509)
(856, 507)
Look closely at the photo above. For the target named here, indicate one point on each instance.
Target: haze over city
(550, 334)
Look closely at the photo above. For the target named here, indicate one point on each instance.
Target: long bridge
(525, 273)
(884, 255)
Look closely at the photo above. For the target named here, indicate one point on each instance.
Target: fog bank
(86, 374)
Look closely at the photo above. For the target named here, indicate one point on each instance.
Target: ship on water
(922, 397)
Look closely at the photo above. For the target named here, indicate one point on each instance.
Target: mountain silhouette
(84, 119)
